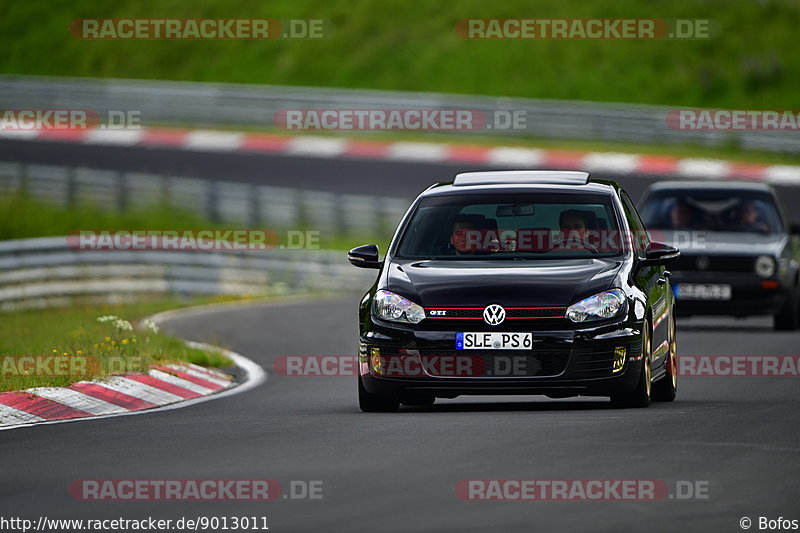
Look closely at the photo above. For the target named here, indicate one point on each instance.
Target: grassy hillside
(411, 45)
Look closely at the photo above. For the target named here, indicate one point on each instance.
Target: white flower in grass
(123, 325)
(149, 324)
(107, 318)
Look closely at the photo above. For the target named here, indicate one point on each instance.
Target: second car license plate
(494, 341)
(703, 291)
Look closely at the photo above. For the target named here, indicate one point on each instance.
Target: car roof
(522, 181)
(730, 185)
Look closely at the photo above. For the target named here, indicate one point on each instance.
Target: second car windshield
(714, 210)
(512, 226)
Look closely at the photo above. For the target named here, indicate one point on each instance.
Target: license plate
(494, 341)
(703, 291)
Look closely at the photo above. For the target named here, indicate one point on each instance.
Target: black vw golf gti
(518, 282)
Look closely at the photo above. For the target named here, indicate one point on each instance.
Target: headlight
(607, 304)
(390, 306)
(765, 266)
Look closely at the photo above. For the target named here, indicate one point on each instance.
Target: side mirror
(659, 254)
(365, 256)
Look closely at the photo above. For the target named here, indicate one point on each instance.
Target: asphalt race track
(397, 472)
(401, 179)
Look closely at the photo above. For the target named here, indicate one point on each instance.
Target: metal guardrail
(223, 202)
(217, 104)
(46, 271)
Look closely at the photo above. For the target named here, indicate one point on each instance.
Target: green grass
(412, 45)
(87, 348)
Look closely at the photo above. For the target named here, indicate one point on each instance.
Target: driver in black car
(472, 234)
(573, 224)
(461, 239)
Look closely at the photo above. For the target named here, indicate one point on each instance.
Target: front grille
(471, 318)
(713, 263)
(499, 363)
(476, 313)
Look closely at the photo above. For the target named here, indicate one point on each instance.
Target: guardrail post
(255, 206)
(121, 191)
(212, 201)
(166, 193)
(340, 222)
(72, 187)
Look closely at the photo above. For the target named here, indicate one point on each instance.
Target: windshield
(713, 210)
(511, 226)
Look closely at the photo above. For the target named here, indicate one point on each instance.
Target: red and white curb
(431, 152)
(163, 387)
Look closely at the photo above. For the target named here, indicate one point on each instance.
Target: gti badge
(494, 314)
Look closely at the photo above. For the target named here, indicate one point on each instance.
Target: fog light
(375, 360)
(619, 358)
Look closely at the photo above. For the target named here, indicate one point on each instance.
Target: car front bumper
(560, 363)
(748, 294)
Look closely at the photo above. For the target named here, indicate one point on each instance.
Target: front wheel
(786, 319)
(640, 396)
(665, 389)
(376, 403)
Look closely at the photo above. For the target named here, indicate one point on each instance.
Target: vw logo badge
(494, 314)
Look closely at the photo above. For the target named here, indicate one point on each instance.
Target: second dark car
(740, 254)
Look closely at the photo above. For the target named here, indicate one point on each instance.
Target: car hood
(723, 243)
(509, 283)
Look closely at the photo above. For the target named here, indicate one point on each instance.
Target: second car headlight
(390, 306)
(765, 266)
(601, 306)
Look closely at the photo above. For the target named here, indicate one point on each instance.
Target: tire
(640, 396)
(787, 318)
(376, 403)
(666, 388)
